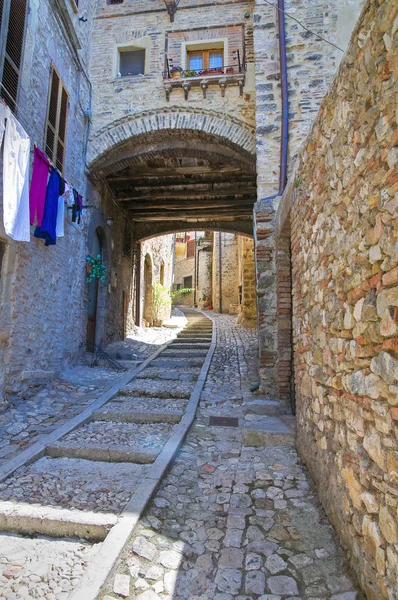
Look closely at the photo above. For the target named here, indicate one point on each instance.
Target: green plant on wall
(177, 294)
(95, 268)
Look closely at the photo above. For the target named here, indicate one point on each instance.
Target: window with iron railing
(12, 34)
(57, 116)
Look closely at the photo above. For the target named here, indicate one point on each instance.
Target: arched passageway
(176, 170)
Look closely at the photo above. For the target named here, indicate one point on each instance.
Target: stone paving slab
(42, 567)
(119, 442)
(74, 484)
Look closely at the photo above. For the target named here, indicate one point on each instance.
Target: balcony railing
(186, 79)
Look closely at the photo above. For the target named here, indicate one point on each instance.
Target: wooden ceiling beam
(193, 196)
(181, 205)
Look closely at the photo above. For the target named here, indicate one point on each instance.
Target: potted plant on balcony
(190, 73)
(215, 71)
(175, 72)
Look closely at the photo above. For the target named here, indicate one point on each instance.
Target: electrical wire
(303, 26)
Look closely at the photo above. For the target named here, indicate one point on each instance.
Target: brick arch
(232, 133)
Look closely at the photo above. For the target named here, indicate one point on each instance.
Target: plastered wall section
(345, 301)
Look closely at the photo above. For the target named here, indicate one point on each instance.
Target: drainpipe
(220, 273)
(284, 127)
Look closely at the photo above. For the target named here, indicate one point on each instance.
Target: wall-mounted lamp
(109, 221)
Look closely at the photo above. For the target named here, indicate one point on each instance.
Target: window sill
(203, 81)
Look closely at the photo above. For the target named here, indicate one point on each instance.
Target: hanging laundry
(16, 180)
(59, 229)
(55, 188)
(77, 207)
(38, 185)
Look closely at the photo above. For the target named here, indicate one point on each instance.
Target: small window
(114, 1)
(56, 122)
(205, 59)
(188, 282)
(178, 286)
(132, 62)
(12, 21)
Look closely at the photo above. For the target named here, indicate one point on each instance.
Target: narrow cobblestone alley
(231, 521)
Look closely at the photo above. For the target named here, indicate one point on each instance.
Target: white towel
(16, 180)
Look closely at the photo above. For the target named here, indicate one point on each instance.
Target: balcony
(174, 78)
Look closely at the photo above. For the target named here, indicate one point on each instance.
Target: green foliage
(161, 300)
(181, 292)
(190, 73)
(95, 268)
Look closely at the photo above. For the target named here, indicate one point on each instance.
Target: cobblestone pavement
(40, 410)
(231, 522)
(42, 567)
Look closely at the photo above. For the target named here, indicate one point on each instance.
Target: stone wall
(344, 219)
(247, 314)
(43, 290)
(311, 65)
(229, 267)
(125, 98)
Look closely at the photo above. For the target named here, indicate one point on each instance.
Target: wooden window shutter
(56, 122)
(13, 50)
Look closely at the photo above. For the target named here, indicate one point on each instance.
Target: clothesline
(45, 201)
(20, 109)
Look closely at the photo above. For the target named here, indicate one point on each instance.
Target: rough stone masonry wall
(229, 270)
(345, 277)
(246, 268)
(311, 64)
(42, 290)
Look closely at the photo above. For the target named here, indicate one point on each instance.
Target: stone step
(188, 346)
(271, 408)
(120, 442)
(55, 522)
(188, 375)
(186, 352)
(146, 404)
(192, 340)
(176, 362)
(67, 497)
(268, 431)
(158, 388)
(127, 412)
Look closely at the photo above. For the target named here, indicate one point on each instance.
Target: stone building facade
(153, 154)
(44, 295)
(340, 211)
